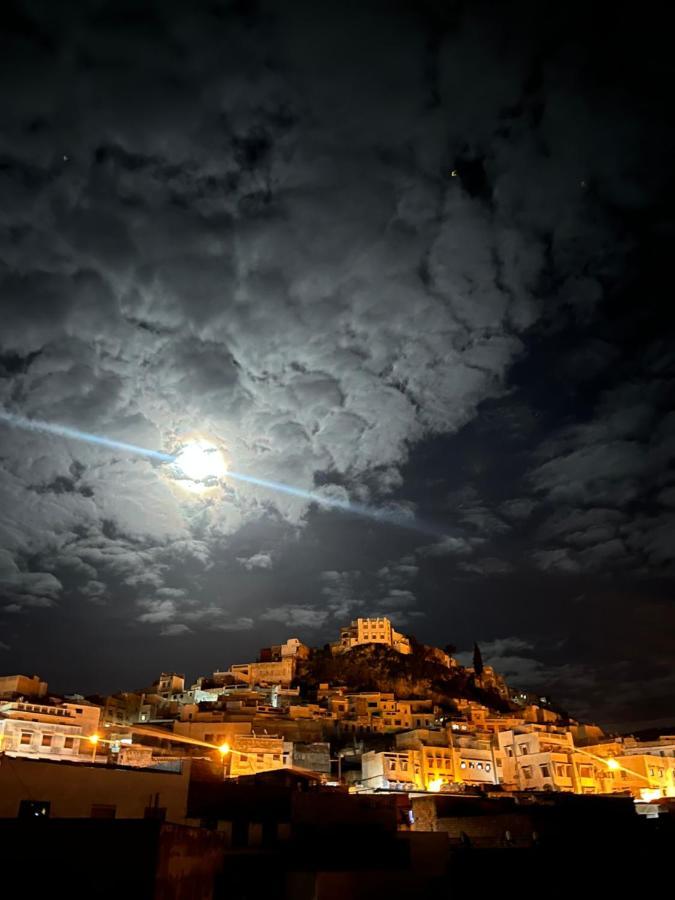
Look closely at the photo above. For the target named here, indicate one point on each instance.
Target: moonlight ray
(380, 515)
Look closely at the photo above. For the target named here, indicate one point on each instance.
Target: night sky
(417, 255)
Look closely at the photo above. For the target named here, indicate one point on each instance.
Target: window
(527, 771)
(499, 764)
(523, 749)
(103, 811)
(31, 809)
(479, 765)
(509, 751)
(46, 740)
(26, 737)
(68, 743)
(488, 766)
(472, 764)
(462, 765)
(545, 771)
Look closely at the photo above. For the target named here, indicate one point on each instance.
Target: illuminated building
(281, 672)
(391, 770)
(420, 762)
(625, 764)
(539, 759)
(258, 753)
(372, 631)
(22, 685)
(169, 683)
(291, 649)
(47, 730)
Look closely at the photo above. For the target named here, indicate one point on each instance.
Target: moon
(201, 463)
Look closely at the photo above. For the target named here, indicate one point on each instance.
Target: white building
(391, 770)
(48, 730)
(258, 753)
(538, 759)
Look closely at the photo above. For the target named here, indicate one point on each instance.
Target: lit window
(30, 809)
(462, 765)
(488, 766)
(46, 740)
(26, 737)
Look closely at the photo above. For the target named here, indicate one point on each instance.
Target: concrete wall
(72, 789)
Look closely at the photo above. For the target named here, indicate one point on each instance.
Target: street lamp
(224, 751)
(93, 740)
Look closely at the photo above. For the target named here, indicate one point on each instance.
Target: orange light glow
(613, 764)
(224, 749)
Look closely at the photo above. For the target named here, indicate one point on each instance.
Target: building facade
(48, 731)
(258, 753)
(23, 686)
(372, 631)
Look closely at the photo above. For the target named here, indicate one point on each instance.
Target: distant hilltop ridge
(370, 655)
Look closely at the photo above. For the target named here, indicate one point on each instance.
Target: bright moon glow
(199, 466)
(201, 462)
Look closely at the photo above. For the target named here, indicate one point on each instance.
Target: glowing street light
(435, 785)
(224, 751)
(613, 764)
(93, 740)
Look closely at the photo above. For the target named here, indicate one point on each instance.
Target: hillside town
(400, 727)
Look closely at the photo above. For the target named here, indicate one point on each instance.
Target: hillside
(376, 667)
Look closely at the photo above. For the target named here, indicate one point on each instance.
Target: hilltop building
(280, 672)
(372, 631)
(292, 649)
